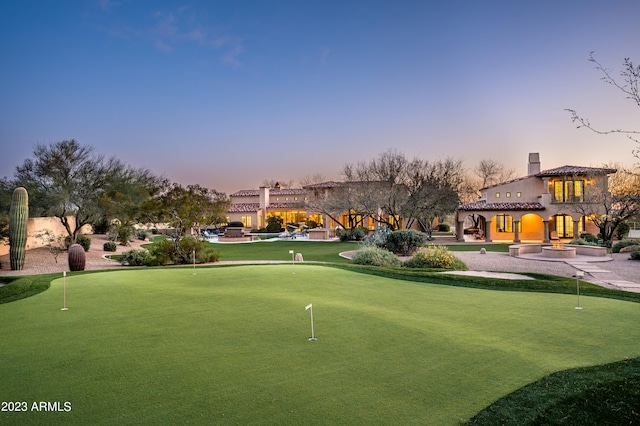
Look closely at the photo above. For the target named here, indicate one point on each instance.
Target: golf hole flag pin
(64, 286)
(309, 308)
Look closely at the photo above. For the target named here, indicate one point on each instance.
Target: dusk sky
(230, 93)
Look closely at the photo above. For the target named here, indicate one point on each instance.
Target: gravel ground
(41, 261)
(621, 265)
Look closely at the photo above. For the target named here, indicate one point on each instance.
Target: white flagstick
(293, 262)
(579, 274)
(194, 262)
(310, 308)
(64, 286)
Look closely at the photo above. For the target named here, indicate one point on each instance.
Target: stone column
(460, 231)
(576, 228)
(516, 238)
(487, 230)
(545, 238)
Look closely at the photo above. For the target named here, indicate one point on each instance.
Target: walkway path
(596, 267)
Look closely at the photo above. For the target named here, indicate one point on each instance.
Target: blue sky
(229, 93)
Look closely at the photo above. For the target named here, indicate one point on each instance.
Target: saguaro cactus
(18, 215)
(76, 258)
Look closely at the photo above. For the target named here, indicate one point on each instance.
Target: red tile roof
(244, 208)
(272, 192)
(323, 185)
(484, 206)
(576, 170)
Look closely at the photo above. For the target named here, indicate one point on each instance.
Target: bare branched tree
(630, 75)
(275, 183)
(312, 179)
(490, 172)
(617, 198)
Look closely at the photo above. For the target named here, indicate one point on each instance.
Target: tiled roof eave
(484, 206)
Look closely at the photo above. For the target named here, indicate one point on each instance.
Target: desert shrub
(353, 234)
(622, 230)
(626, 243)
(444, 227)
(378, 238)
(589, 237)
(135, 258)
(141, 234)
(635, 255)
(274, 224)
(125, 234)
(435, 257)
(186, 247)
(375, 256)
(101, 226)
(163, 251)
(109, 246)
(583, 242)
(405, 241)
(312, 224)
(236, 224)
(83, 240)
(112, 233)
(154, 231)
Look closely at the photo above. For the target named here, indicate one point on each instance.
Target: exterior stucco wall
(529, 187)
(36, 225)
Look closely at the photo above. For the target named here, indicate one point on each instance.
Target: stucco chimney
(534, 164)
(264, 197)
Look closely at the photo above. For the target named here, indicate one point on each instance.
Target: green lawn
(319, 251)
(230, 345)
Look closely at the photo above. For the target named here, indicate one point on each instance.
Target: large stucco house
(252, 207)
(544, 205)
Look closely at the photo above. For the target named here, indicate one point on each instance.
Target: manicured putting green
(230, 344)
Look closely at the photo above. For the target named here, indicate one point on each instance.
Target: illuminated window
(504, 223)
(497, 195)
(564, 226)
(518, 194)
(246, 221)
(508, 195)
(568, 191)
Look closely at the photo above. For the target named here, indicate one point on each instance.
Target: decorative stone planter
(559, 253)
(322, 234)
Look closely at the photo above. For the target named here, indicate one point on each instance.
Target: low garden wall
(590, 250)
(37, 225)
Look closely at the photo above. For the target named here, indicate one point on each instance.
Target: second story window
(568, 191)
